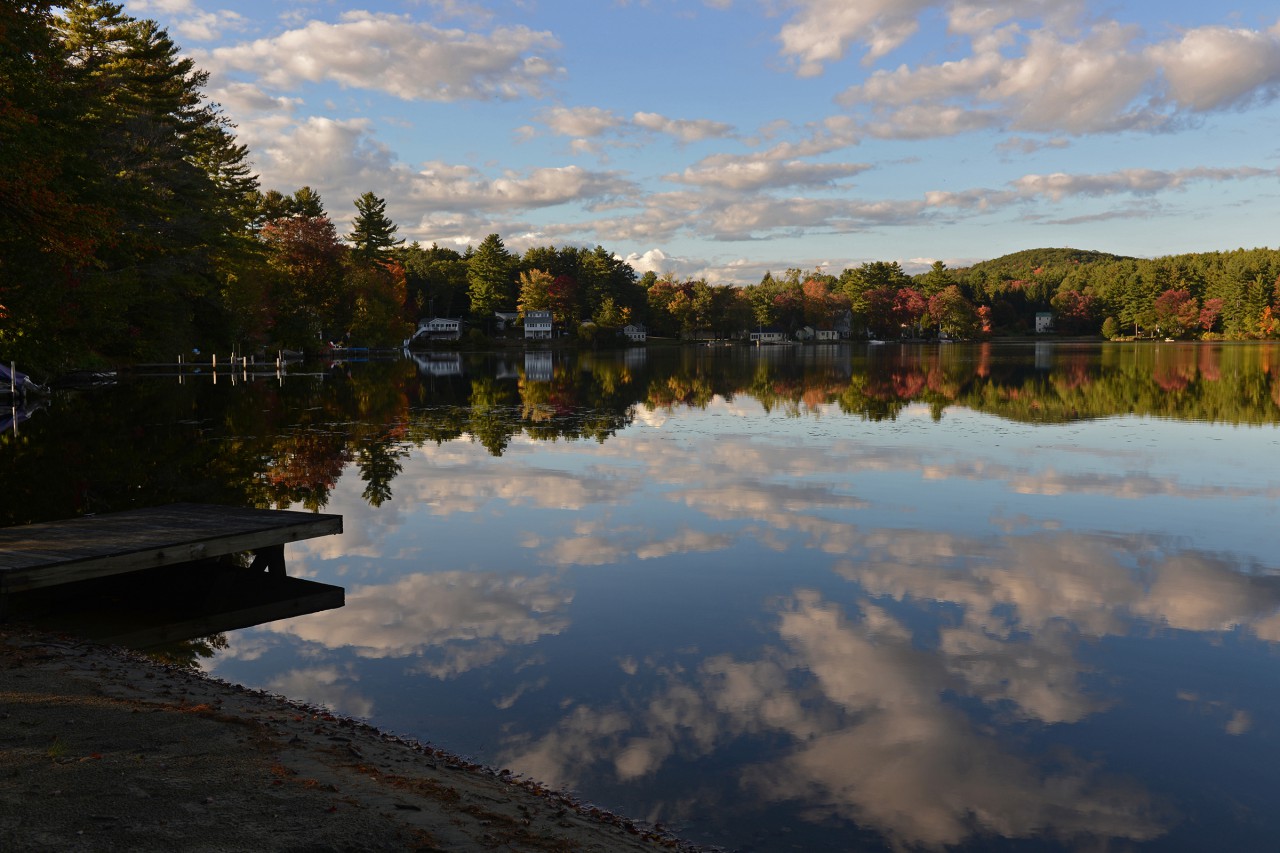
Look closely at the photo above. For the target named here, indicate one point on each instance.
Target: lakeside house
(768, 336)
(826, 335)
(436, 329)
(537, 326)
(1044, 322)
(635, 332)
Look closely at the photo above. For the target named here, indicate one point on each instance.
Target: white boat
(18, 385)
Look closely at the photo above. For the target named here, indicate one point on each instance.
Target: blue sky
(724, 138)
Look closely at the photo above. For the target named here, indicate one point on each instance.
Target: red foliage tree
(1176, 313)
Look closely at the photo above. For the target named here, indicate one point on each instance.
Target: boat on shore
(16, 385)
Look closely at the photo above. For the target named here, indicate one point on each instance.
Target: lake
(999, 596)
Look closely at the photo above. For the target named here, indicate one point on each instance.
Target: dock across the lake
(35, 556)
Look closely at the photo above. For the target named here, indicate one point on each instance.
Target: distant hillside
(1034, 262)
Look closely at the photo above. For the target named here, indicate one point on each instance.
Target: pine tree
(372, 233)
(490, 278)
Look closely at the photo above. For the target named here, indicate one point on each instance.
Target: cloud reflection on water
(447, 623)
(873, 739)
(888, 704)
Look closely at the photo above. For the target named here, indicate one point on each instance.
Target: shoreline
(102, 748)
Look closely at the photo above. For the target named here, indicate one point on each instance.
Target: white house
(537, 325)
(826, 335)
(437, 329)
(635, 333)
(768, 336)
(1044, 322)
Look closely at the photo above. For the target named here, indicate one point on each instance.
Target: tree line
(132, 228)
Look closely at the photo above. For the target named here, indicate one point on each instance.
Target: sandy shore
(102, 749)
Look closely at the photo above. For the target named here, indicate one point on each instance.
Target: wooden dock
(35, 556)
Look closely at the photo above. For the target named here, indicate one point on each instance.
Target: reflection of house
(439, 364)
(538, 366)
(768, 336)
(1044, 321)
(437, 329)
(635, 333)
(537, 325)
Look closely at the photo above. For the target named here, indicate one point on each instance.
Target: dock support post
(270, 558)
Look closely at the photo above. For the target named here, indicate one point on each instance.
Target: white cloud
(208, 26)
(249, 100)
(1215, 68)
(580, 122)
(399, 56)
(684, 130)
(461, 188)
(1136, 181)
(341, 156)
(1053, 79)
(821, 31)
(742, 174)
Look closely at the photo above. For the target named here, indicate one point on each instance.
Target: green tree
(436, 280)
(139, 178)
(490, 274)
(372, 232)
(164, 164)
(306, 202)
(955, 315)
(936, 280)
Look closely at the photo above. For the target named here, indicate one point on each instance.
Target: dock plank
(58, 552)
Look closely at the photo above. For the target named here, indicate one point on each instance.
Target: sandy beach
(104, 749)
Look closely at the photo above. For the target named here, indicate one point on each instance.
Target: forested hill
(1233, 294)
(1032, 262)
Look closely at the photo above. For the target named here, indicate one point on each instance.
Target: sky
(721, 139)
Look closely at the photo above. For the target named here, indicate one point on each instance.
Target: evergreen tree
(490, 278)
(115, 151)
(372, 233)
(306, 202)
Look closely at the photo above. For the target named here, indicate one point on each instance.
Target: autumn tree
(535, 291)
(909, 306)
(372, 303)
(1075, 312)
(1176, 312)
(953, 313)
(881, 317)
(307, 258)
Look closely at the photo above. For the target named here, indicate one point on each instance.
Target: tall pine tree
(372, 232)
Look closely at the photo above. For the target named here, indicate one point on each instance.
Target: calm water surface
(1013, 597)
